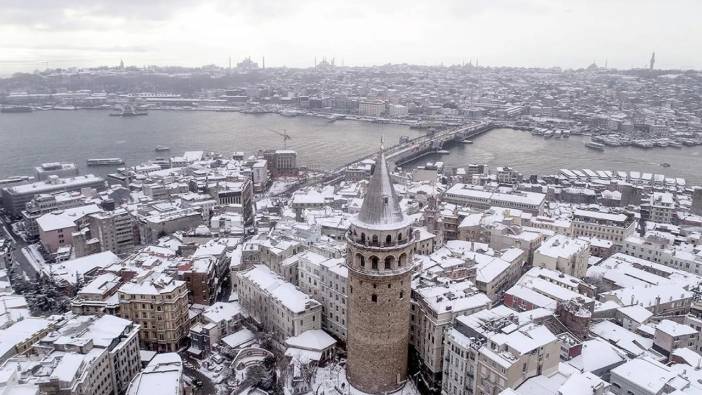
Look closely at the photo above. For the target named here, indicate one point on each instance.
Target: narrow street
(207, 387)
(18, 245)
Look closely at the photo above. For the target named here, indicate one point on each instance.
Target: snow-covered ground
(280, 186)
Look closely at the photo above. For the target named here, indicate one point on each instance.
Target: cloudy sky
(566, 33)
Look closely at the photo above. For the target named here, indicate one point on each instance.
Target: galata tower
(380, 245)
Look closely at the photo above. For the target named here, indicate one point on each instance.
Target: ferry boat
(15, 109)
(335, 117)
(548, 134)
(467, 141)
(290, 113)
(129, 111)
(595, 146)
(558, 134)
(105, 162)
(161, 148)
(443, 151)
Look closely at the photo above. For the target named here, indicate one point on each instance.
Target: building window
(374, 298)
(374, 262)
(388, 240)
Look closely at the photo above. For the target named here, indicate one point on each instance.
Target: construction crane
(284, 134)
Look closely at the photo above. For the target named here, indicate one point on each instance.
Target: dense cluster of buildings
(464, 281)
(641, 107)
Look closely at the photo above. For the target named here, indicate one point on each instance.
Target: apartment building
(275, 304)
(564, 254)
(115, 230)
(613, 227)
(325, 280)
(159, 305)
(492, 350)
(434, 308)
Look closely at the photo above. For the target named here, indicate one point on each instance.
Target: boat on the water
(665, 164)
(129, 110)
(595, 146)
(442, 151)
(161, 148)
(105, 162)
(467, 141)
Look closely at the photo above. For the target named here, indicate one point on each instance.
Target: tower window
(374, 298)
(399, 236)
(402, 294)
(374, 262)
(388, 262)
(388, 240)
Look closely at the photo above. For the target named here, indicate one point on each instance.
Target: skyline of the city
(534, 33)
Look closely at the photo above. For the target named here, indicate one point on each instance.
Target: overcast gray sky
(566, 33)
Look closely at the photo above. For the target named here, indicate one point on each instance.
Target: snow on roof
(494, 198)
(67, 218)
(68, 270)
(674, 329)
(582, 384)
(239, 338)
(313, 340)
(688, 356)
(101, 284)
(52, 185)
(531, 296)
(455, 297)
(560, 246)
(20, 332)
(600, 215)
(161, 377)
(287, 294)
(622, 338)
(489, 270)
(222, 311)
(646, 373)
(596, 354)
(636, 313)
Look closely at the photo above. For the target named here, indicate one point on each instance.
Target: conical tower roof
(381, 206)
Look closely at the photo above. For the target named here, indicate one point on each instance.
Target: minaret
(380, 247)
(652, 62)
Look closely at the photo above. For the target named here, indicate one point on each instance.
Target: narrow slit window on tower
(374, 298)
